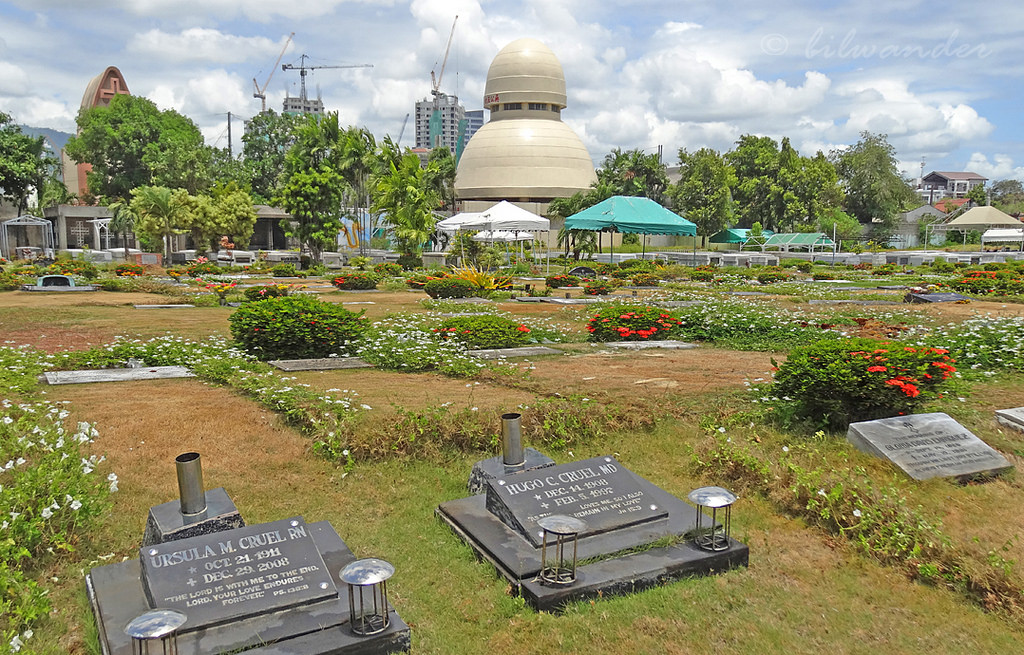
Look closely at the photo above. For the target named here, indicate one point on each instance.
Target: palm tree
(403, 193)
(123, 221)
(161, 213)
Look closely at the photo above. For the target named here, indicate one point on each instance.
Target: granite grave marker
(927, 446)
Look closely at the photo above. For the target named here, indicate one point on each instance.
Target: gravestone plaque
(321, 364)
(522, 351)
(927, 446)
(600, 491)
(1013, 418)
(918, 298)
(228, 575)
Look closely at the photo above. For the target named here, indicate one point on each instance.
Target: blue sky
(944, 82)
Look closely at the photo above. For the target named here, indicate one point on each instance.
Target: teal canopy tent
(630, 214)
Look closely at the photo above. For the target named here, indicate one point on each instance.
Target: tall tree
(161, 213)
(226, 211)
(578, 242)
(633, 173)
(704, 191)
(265, 144)
(122, 221)
(131, 143)
(404, 194)
(313, 186)
(358, 162)
(24, 164)
(441, 176)
(875, 189)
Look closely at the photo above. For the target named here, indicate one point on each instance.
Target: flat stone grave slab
(523, 351)
(358, 290)
(529, 298)
(892, 287)
(452, 314)
(918, 298)
(667, 344)
(927, 446)
(623, 513)
(359, 302)
(162, 306)
(320, 364)
(1013, 418)
(468, 301)
(852, 302)
(745, 293)
(571, 301)
(117, 375)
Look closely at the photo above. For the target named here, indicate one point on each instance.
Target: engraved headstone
(1013, 418)
(600, 490)
(927, 446)
(918, 298)
(227, 575)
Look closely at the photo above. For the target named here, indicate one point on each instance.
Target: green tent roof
(630, 214)
(799, 239)
(735, 235)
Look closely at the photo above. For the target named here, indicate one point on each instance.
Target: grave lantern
(370, 576)
(155, 626)
(563, 530)
(716, 536)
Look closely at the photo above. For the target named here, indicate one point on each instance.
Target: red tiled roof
(949, 203)
(959, 175)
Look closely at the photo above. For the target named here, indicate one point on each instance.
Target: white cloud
(1000, 168)
(13, 80)
(202, 45)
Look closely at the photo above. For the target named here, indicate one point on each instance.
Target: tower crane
(402, 132)
(302, 68)
(435, 127)
(261, 93)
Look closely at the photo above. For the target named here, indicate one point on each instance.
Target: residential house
(944, 184)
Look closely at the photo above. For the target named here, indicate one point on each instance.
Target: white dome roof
(524, 159)
(525, 71)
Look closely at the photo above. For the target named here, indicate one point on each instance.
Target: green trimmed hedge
(295, 327)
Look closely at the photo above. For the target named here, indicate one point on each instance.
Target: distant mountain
(56, 138)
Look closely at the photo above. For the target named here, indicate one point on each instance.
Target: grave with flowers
(205, 582)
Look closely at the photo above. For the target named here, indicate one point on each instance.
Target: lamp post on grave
(370, 576)
(155, 626)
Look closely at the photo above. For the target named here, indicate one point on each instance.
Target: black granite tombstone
(625, 516)
(265, 588)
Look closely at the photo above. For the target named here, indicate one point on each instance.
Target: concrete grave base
(320, 364)
(1011, 418)
(117, 374)
(321, 628)
(524, 351)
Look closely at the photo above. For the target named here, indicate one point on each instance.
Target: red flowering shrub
(557, 281)
(129, 270)
(355, 280)
(484, 331)
(597, 288)
(836, 383)
(703, 273)
(1003, 283)
(632, 323)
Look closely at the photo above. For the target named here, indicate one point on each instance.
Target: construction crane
(402, 131)
(435, 127)
(261, 93)
(302, 68)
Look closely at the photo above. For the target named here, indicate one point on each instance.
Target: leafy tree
(633, 173)
(1007, 191)
(403, 192)
(265, 144)
(225, 169)
(578, 242)
(778, 187)
(703, 193)
(161, 213)
(313, 186)
(227, 211)
(978, 195)
(131, 143)
(24, 163)
(870, 176)
(838, 222)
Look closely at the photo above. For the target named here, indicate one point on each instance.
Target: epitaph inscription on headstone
(600, 491)
(227, 575)
(927, 446)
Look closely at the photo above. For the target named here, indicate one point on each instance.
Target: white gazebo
(26, 221)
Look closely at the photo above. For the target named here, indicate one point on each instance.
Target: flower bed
(987, 283)
(558, 281)
(484, 331)
(129, 270)
(597, 288)
(632, 323)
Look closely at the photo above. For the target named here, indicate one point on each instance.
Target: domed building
(525, 153)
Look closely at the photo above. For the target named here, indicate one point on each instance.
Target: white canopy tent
(458, 222)
(505, 216)
(503, 236)
(7, 248)
(1002, 235)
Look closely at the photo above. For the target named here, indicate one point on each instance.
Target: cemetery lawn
(806, 590)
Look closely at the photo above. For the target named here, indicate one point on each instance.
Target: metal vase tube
(511, 440)
(190, 483)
